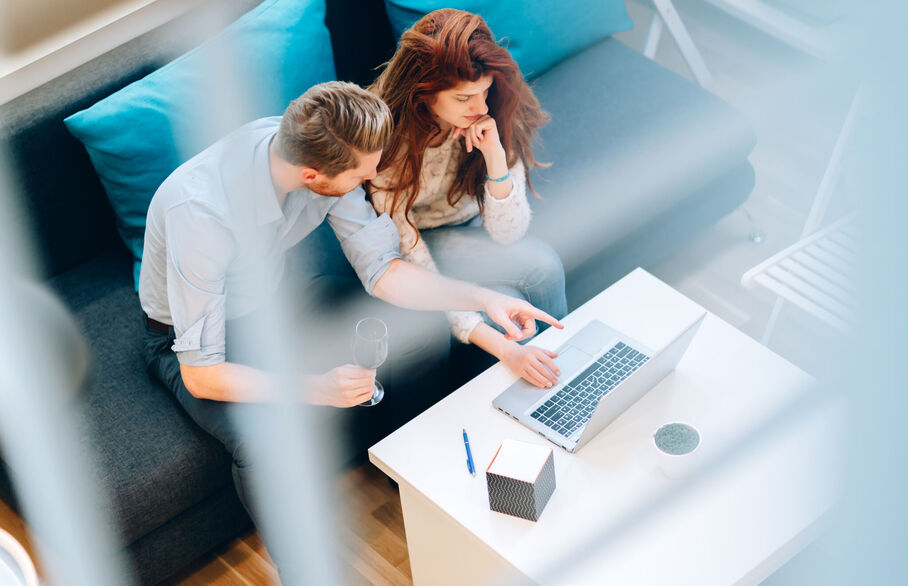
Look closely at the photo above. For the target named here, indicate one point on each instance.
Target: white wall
(47, 44)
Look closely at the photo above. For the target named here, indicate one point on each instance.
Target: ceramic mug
(677, 445)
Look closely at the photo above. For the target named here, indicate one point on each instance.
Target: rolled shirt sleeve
(199, 251)
(369, 242)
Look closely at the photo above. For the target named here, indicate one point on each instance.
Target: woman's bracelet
(500, 179)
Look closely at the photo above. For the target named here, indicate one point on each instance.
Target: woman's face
(463, 104)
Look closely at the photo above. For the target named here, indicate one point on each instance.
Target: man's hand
(344, 386)
(516, 316)
(535, 365)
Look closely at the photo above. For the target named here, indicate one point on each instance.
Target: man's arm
(371, 244)
(344, 386)
(407, 285)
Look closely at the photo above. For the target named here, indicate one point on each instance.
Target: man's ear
(308, 175)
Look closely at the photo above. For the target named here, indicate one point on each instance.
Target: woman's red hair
(443, 49)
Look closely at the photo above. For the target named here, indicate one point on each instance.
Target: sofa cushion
(630, 141)
(255, 67)
(538, 33)
(158, 555)
(661, 236)
(152, 459)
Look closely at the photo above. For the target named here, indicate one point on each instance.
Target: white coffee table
(614, 517)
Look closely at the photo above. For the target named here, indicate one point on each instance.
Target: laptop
(603, 373)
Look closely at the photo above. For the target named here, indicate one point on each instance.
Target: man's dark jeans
(413, 377)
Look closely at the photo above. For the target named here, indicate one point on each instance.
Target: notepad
(521, 479)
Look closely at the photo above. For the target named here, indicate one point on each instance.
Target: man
(216, 236)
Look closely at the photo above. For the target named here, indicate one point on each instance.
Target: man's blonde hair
(321, 128)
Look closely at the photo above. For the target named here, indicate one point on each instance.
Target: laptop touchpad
(569, 360)
(593, 337)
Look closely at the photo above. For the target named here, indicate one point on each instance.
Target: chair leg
(756, 234)
(771, 322)
(653, 36)
(692, 57)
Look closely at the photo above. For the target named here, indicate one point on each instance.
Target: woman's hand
(482, 135)
(532, 364)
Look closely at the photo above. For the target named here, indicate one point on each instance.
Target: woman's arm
(507, 213)
(507, 219)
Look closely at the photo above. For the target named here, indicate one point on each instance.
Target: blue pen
(466, 444)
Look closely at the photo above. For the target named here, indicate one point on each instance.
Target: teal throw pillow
(253, 68)
(538, 33)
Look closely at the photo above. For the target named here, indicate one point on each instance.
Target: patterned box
(521, 479)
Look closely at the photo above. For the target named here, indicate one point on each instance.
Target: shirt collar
(267, 209)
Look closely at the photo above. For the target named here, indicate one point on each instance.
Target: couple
(441, 141)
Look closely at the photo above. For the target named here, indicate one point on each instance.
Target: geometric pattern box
(521, 479)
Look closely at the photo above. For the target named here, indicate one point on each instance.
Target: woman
(458, 159)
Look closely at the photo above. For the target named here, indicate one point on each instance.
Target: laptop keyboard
(571, 407)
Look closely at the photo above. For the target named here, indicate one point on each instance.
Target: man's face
(348, 180)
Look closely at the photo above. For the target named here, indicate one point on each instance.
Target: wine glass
(370, 349)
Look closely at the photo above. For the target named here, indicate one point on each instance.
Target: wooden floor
(373, 548)
(15, 526)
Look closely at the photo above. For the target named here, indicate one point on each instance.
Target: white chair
(816, 272)
(665, 16)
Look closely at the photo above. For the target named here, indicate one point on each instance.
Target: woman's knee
(542, 264)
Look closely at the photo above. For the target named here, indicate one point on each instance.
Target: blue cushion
(253, 68)
(539, 33)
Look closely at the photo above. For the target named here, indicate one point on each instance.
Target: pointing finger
(544, 317)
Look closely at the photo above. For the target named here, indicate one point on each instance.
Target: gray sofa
(641, 160)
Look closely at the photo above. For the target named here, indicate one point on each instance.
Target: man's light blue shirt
(216, 238)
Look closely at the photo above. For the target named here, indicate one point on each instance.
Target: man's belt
(156, 325)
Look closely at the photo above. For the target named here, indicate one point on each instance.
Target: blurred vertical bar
(43, 362)
(291, 487)
(868, 546)
(867, 536)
